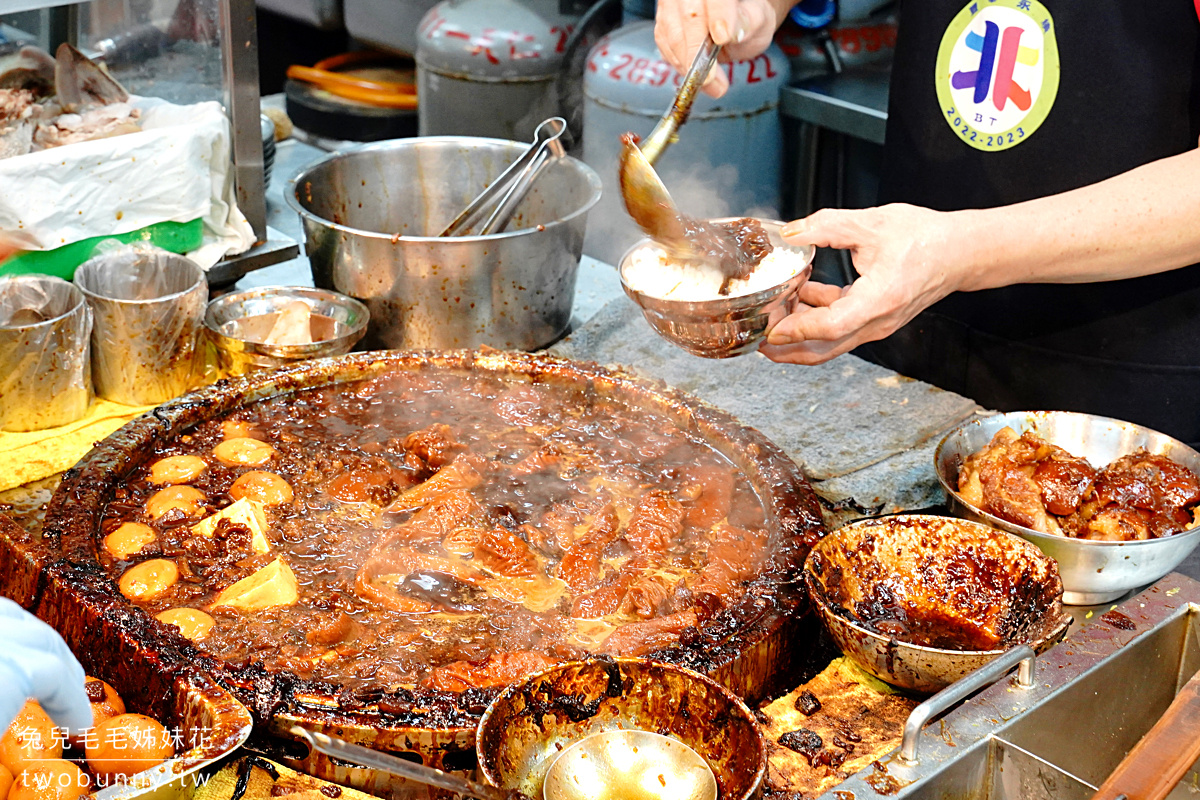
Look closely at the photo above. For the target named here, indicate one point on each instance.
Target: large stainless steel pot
(370, 220)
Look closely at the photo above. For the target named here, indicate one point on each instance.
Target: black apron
(1129, 93)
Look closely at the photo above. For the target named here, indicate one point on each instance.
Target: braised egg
(149, 579)
(128, 744)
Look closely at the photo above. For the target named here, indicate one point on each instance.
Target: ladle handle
(960, 690)
(1157, 763)
(373, 759)
(664, 132)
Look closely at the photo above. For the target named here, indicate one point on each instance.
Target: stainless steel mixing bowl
(727, 326)
(1092, 572)
(845, 564)
(371, 218)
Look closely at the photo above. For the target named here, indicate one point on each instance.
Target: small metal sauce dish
(1092, 572)
(233, 324)
(726, 326)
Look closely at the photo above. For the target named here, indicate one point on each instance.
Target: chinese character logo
(997, 72)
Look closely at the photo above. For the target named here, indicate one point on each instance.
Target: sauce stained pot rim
(75, 512)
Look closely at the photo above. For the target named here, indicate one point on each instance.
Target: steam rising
(698, 189)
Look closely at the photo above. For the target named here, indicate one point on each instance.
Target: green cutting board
(176, 237)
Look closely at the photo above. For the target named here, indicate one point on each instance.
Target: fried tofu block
(272, 586)
(243, 512)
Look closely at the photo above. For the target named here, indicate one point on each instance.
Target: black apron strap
(1088, 91)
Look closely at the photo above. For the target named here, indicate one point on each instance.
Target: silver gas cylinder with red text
(488, 67)
(728, 157)
(846, 44)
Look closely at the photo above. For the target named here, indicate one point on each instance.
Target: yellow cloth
(297, 786)
(34, 455)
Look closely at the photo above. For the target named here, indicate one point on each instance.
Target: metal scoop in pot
(627, 764)
(513, 184)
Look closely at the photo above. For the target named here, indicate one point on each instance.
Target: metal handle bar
(366, 757)
(962, 689)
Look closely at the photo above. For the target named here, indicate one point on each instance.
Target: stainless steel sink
(1095, 695)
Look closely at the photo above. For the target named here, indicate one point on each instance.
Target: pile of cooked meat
(1031, 482)
(50, 102)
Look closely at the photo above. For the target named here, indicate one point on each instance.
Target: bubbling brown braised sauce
(442, 531)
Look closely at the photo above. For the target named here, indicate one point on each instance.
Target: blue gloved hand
(36, 663)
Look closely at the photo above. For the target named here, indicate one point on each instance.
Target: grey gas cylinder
(487, 67)
(728, 157)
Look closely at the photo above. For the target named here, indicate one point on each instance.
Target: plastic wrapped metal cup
(45, 332)
(148, 306)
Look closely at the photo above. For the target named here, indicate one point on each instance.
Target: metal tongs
(513, 184)
(372, 759)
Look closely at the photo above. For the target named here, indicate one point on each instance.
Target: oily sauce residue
(883, 781)
(935, 583)
(453, 531)
(1118, 620)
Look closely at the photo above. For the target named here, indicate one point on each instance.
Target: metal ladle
(646, 198)
(625, 764)
(629, 765)
(513, 184)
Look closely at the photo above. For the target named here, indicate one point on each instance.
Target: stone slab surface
(834, 420)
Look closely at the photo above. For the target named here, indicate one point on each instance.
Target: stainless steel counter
(853, 103)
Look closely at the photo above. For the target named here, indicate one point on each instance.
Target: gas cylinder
(487, 67)
(841, 44)
(727, 160)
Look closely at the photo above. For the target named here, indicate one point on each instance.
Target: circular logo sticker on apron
(997, 72)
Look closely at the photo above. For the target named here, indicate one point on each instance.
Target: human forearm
(1144, 221)
(1137, 223)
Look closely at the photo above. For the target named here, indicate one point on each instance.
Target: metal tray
(1092, 698)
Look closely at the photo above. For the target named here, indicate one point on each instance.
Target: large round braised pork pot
(757, 646)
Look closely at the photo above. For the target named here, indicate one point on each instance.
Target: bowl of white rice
(683, 303)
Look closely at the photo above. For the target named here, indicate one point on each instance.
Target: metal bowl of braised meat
(921, 601)
(1112, 502)
(376, 544)
(533, 724)
(702, 307)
